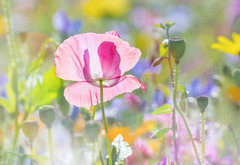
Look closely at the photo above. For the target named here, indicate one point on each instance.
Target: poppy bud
(202, 102)
(92, 129)
(47, 115)
(30, 129)
(68, 123)
(236, 76)
(177, 48)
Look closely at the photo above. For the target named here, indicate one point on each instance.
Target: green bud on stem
(177, 46)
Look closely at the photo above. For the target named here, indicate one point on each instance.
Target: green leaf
(163, 49)
(164, 109)
(41, 55)
(47, 91)
(161, 133)
(6, 105)
(41, 160)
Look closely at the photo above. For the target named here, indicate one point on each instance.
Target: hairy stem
(203, 139)
(182, 115)
(50, 145)
(174, 111)
(105, 123)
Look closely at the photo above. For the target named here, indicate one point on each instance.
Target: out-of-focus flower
(133, 101)
(75, 113)
(2, 26)
(144, 66)
(227, 46)
(182, 16)
(129, 136)
(141, 151)
(100, 8)
(96, 57)
(3, 82)
(233, 92)
(148, 18)
(197, 88)
(64, 25)
(79, 124)
(164, 161)
(233, 10)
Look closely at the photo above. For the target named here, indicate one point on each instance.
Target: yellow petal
(232, 49)
(225, 41)
(236, 38)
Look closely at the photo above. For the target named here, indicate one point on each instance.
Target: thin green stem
(50, 145)
(105, 123)
(31, 148)
(182, 115)
(203, 139)
(174, 111)
(93, 114)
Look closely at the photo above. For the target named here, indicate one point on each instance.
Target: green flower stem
(203, 139)
(105, 123)
(31, 148)
(174, 111)
(182, 115)
(50, 145)
(94, 111)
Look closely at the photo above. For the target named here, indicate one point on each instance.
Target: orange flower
(233, 93)
(129, 136)
(79, 125)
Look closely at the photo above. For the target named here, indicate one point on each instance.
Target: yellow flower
(227, 46)
(2, 26)
(99, 8)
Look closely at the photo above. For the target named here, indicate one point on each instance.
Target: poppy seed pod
(177, 48)
(92, 129)
(30, 129)
(202, 102)
(236, 76)
(47, 114)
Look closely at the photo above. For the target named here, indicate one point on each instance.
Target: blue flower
(64, 25)
(197, 88)
(143, 66)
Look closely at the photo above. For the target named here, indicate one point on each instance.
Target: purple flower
(64, 25)
(144, 66)
(197, 88)
(3, 82)
(233, 10)
(164, 162)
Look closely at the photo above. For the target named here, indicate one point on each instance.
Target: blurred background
(203, 71)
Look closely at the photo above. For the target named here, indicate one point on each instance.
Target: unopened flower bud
(236, 75)
(30, 129)
(202, 102)
(47, 115)
(92, 129)
(177, 47)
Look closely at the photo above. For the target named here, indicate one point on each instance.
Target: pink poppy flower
(90, 57)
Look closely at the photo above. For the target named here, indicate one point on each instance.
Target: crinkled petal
(114, 33)
(84, 94)
(69, 60)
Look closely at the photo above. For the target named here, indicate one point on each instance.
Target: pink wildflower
(90, 57)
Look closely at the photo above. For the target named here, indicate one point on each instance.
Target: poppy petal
(84, 94)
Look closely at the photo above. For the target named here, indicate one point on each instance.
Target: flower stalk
(105, 122)
(181, 113)
(203, 139)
